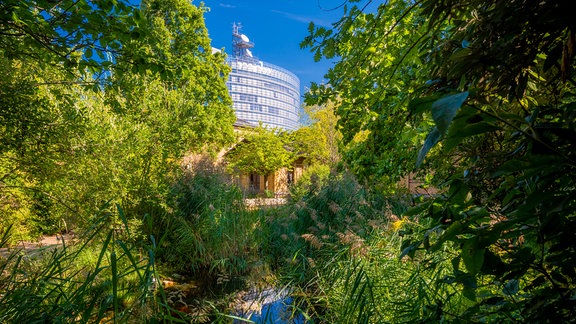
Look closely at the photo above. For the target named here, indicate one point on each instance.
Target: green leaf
(511, 287)
(456, 264)
(461, 133)
(431, 140)
(123, 218)
(449, 234)
(311, 27)
(100, 54)
(130, 257)
(114, 268)
(15, 18)
(6, 236)
(408, 249)
(467, 280)
(469, 293)
(421, 105)
(459, 194)
(472, 256)
(492, 264)
(444, 110)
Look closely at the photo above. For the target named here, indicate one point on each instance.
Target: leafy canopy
(482, 93)
(94, 109)
(260, 151)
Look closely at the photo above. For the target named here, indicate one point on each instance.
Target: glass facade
(264, 92)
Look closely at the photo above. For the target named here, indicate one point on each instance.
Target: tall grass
(98, 278)
(342, 246)
(111, 274)
(210, 231)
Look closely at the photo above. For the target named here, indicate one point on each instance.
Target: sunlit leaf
(444, 110)
(431, 140)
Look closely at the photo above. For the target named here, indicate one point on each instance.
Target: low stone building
(259, 185)
(278, 182)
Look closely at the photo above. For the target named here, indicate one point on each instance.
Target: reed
(341, 247)
(98, 278)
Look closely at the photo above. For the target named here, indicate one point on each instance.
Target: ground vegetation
(97, 114)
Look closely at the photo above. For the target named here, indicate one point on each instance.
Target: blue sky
(276, 27)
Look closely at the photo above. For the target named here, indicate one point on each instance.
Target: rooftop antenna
(241, 44)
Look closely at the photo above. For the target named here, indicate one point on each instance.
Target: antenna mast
(241, 45)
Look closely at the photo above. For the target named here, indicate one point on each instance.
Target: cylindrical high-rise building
(262, 92)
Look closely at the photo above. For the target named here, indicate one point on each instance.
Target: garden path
(32, 248)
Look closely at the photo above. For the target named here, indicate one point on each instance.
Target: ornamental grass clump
(344, 249)
(210, 233)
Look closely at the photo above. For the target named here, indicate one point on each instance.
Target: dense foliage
(210, 233)
(482, 92)
(94, 109)
(97, 113)
(338, 247)
(99, 103)
(318, 142)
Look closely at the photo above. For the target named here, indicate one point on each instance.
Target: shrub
(312, 179)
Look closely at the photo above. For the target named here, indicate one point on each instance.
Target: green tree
(483, 93)
(318, 142)
(93, 109)
(373, 79)
(165, 115)
(260, 151)
(41, 119)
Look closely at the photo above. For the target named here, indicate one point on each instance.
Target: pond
(268, 306)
